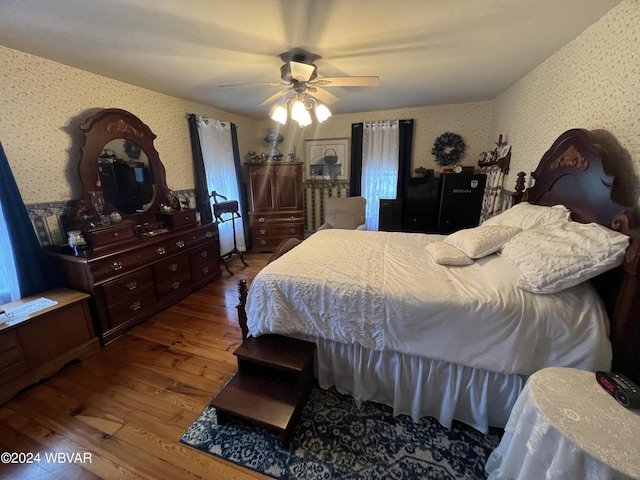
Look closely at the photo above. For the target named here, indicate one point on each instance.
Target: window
(8, 278)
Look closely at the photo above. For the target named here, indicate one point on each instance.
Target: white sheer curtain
(380, 151)
(220, 168)
(9, 289)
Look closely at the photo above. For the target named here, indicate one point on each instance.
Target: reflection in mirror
(119, 159)
(125, 176)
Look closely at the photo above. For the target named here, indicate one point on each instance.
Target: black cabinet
(390, 215)
(421, 206)
(435, 205)
(460, 201)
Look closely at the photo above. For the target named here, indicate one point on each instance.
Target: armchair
(347, 213)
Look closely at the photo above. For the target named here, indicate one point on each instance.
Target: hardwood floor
(121, 413)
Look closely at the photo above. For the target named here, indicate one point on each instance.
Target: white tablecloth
(565, 426)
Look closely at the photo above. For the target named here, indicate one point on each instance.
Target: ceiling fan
(299, 75)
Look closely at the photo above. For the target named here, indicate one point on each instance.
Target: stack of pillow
(550, 250)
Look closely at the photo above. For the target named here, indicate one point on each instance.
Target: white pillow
(527, 216)
(445, 254)
(565, 254)
(481, 241)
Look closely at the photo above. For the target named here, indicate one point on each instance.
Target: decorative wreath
(448, 148)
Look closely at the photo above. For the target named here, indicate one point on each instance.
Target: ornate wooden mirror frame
(100, 129)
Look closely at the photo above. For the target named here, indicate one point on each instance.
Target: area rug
(337, 440)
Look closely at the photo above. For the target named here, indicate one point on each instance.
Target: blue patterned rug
(337, 440)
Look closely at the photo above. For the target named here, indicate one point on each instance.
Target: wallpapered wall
(469, 120)
(594, 83)
(43, 104)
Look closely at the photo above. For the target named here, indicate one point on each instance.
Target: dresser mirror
(119, 159)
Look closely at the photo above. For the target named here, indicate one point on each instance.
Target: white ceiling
(426, 52)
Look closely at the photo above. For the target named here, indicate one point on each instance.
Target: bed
(452, 326)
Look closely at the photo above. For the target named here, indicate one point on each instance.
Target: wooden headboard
(571, 173)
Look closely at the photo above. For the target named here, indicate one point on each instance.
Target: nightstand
(565, 425)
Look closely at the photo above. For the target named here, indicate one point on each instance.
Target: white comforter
(383, 291)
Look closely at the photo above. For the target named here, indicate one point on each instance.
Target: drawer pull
(132, 285)
(173, 267)
(116, 265)
(208, 234)
(263, 242)
(205, 270)
(161, 250)
(292, 217)
(175, 285)
(262, 231)
(204, 254)
(115, 234)
(261, 219)
(180, 244)
(292, 230)
(135, 306)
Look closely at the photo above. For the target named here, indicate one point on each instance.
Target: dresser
(133, 279)
(275, 203)
(40, 335)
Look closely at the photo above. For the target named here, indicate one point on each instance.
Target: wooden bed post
(518, 195)
(242, 313)
(625, 312)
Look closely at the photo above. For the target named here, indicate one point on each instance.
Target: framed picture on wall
(327, 159)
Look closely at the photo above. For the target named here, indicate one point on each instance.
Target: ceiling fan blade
(275, 97)
(347, 82)
(271, 84)
(323, 95)
(301, 71)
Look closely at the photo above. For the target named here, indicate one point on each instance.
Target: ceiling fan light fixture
(279, 113)
(300, 113)
(322, 112)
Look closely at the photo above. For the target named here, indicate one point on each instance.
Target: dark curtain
(241, 185)
(35, 274)
(203, 203)
(404, 157)
(355, 178)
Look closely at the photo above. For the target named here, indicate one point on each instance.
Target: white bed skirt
(418, 386)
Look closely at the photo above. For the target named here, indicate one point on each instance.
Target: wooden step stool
(274, 378)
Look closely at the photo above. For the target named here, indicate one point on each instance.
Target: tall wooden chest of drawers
(275, 203)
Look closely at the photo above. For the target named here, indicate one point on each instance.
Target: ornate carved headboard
(571, 173)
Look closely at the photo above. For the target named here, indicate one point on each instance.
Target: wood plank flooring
(125, 408)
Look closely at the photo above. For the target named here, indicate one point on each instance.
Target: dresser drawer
(271, 230)
(180, 218)
(130, 307)
(210, 251)
(269, 244)
(190, 239)
(172, 286)
(168, 269)
(105, 236)
(127, 286)
(125, 262)
(202, 271)
(256, 218)
(12, 359)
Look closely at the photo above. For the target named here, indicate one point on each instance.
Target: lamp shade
(279, 114)
(300, 114)
(322, 112)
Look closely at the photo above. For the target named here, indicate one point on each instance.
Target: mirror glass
(125, 176)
